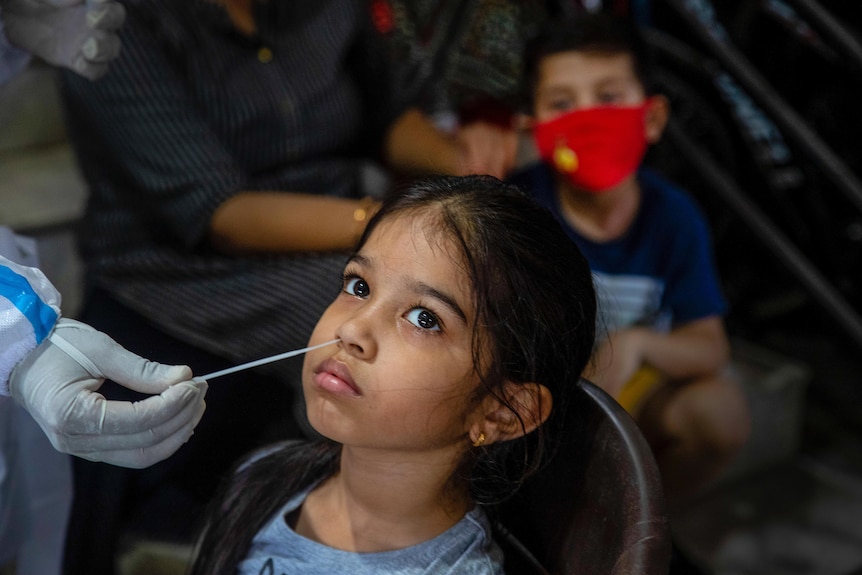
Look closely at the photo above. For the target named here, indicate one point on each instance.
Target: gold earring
(479, 440)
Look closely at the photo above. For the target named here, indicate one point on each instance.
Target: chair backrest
(597, 508)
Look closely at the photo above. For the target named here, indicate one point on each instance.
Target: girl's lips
(334, 377)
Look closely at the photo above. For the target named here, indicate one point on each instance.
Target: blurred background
(766, 135)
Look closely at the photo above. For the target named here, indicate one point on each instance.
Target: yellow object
(565, 158)
(363, 212)
(479, 440)
(264, 55)
(639, 387)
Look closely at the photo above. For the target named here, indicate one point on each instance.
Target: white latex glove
(74, 34)
(57, 384)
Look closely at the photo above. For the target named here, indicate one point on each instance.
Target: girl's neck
(600, 217)
(383, 501)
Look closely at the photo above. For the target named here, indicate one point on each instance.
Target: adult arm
(414, 144)
(53, 367)
(144, 130)
(276, 221)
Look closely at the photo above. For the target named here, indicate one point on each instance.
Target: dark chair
(597, 508)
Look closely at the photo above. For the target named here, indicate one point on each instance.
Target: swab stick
(263, 361)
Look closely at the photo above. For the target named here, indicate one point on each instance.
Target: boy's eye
(561, 105)
(610, 97)
(356, 286)
(423, 318)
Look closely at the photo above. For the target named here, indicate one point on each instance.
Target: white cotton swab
(263, 361)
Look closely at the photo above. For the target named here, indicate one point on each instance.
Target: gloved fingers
(89, 415)
(112, 361)
(106, 16)
(101, 47)
(119, 433)
(156, 414)
(148, 376)
(89, 70)
(138, 458)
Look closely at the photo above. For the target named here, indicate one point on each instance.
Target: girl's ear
(657, 114)
(501, 422)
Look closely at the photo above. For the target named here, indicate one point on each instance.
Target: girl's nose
(357, 334)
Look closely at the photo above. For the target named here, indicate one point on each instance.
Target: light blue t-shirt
(465, 549)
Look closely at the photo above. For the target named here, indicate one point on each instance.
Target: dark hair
(261, 485)
(601, 33)
(535, 309)
(534, 301)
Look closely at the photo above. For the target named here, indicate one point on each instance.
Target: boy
(665, 349)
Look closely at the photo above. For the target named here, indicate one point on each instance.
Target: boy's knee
(722, 418)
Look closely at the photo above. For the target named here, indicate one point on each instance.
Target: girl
(465, 317)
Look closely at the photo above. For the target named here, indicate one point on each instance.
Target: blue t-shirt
(466, 548)
(661, 272)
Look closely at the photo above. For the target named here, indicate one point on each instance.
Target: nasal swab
(269, 359)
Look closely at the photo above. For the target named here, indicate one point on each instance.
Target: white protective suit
(53, 367)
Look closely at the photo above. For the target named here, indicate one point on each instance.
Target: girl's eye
(424, 319)
(357, 287)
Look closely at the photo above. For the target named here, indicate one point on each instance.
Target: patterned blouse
(194, 112)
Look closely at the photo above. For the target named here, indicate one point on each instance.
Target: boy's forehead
(586, 66)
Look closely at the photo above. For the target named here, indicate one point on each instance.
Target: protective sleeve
(12, 60)
(29, 309)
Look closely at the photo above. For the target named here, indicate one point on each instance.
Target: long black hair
(535, 323)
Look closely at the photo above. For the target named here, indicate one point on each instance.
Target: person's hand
(74, 34)
(616, 361)
(57, 384)
(485, 148)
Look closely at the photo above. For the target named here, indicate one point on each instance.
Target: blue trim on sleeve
(17, 290)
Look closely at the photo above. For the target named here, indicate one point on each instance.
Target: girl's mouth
(334, 377)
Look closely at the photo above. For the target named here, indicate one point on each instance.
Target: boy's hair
(534, 300)
(600, 33)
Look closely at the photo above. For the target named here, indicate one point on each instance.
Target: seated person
(663, 349)
(464, 320)
(223, 152)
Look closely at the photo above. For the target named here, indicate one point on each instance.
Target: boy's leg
(695, 430)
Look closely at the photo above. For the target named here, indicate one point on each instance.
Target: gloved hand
(74, 34)
(57, 384)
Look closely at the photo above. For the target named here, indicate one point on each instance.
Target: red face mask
(595, 148)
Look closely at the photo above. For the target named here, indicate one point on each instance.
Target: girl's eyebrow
(420, 288)
(358, 259)
(444, 298)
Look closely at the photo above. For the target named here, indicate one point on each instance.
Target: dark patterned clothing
(468, 53)
(191, 114)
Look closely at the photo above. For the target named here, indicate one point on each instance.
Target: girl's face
(402, 377)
